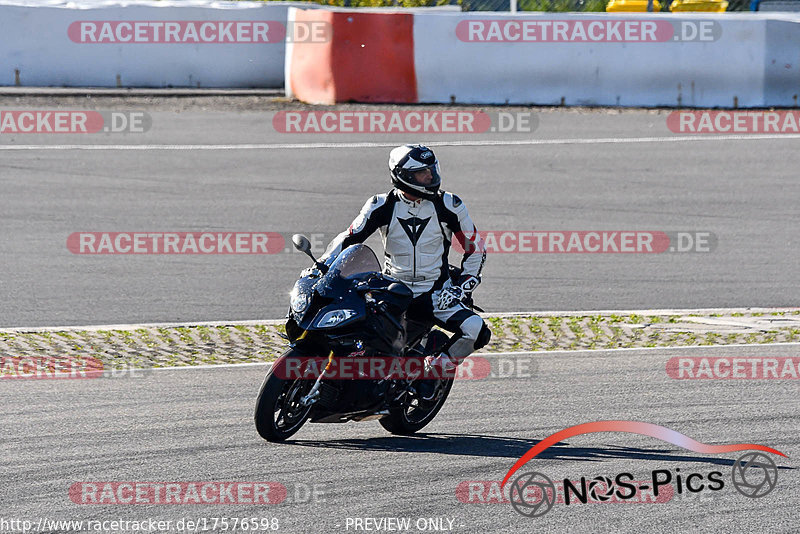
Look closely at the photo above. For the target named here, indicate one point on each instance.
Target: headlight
(335, 318)
(299, 301)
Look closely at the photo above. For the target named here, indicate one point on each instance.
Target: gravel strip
(148, 346)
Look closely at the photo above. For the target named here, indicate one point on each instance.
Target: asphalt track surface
(196, 425)
(602, 171)
(743, 190)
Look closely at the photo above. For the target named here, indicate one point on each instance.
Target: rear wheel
(414, 413)
(279, 413)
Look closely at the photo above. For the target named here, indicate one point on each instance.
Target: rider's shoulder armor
(377, 201)
(452, 202)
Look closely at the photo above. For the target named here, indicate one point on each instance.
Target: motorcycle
(353, 354)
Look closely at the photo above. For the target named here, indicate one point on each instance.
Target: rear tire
(415, 413)
(278, 413)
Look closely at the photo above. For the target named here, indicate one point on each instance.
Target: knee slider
(471, 327)
(483, 337)
(466, 340)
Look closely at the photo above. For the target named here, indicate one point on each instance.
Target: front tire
(415, 413)
(278, 413)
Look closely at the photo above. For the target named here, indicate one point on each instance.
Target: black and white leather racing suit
(417, 235)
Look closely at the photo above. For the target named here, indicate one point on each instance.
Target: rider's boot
(436, 367)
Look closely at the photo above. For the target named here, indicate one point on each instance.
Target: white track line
(520, 353)
(256, 322)
(477, 142)
(567, 351)
(136, 326)
(211, 366)
(663, 311)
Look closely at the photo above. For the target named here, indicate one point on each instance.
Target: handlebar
(381, 307)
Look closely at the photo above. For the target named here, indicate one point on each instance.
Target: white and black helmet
(405, 160)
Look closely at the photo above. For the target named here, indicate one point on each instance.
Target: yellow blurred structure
(631, 6)
(709, 6)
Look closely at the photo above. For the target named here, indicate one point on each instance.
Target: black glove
(454, 293)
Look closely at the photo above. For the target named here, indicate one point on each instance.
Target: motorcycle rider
(418, 222)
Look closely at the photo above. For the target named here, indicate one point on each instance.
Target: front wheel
(414, 413)
(279, 413)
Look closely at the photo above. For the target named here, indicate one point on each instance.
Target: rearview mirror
(301, 243)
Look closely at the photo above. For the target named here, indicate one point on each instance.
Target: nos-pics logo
(533, 494)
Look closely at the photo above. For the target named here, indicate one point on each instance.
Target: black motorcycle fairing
(301, 296)
(367, 319)
(352, 304)
(372, 305)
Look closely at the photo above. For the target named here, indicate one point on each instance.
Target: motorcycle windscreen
(354, 260)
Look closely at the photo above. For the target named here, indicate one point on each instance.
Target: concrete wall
(37, 43)
(701, 60)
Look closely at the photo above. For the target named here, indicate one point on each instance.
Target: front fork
(312, 396)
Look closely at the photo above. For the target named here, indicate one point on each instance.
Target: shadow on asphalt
(503, 447)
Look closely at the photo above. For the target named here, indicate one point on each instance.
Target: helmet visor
(427, 177)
